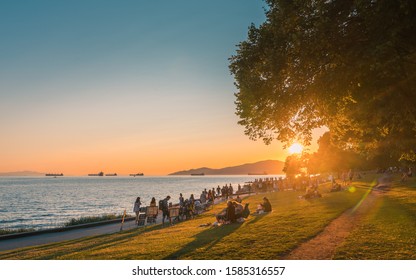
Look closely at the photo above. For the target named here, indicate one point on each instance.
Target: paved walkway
(46, 238)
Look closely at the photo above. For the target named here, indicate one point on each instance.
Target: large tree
(349, 65)
(330, 158)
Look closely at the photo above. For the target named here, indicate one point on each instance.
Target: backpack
(161, 205)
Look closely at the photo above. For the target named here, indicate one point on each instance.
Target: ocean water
(46, 202)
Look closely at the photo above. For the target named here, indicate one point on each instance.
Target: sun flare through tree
(295, 148)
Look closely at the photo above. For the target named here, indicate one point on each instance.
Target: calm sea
(45, 202)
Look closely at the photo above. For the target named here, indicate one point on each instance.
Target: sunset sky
(123, 86)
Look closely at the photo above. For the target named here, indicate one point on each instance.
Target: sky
(123, 86)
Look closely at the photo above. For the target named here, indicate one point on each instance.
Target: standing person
(350, 175)
(181, 200)
(165, 209)
(203, 197)
(153, 202)
(210, 196)
(344, 178)
(136, 208)
(181, 206)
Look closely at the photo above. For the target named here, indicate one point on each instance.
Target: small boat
(137, 174)
(197, 174)
(98, 174)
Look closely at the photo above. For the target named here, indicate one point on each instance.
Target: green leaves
(349, 65)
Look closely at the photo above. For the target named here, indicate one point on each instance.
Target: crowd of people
(233, 212)
(298, 183)
(189, 207)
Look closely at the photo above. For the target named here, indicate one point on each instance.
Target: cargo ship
(54, 174)
(98, 174)
(137, 174)
(111, 174)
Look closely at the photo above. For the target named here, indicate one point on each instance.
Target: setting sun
(296, 148)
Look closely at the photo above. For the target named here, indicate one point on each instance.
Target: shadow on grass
(207, 239)
(256, 218)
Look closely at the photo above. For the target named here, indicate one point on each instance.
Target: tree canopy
(330, 158)
(349, 65)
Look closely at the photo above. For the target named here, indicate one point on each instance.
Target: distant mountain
(257, 168)
(22, 173)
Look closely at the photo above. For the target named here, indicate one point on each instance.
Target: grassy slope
(389, 231)
(261, 237)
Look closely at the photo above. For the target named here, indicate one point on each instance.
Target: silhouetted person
(266, 206)
(136, 208)
(165, 209)
(230, 212)
(181, 200)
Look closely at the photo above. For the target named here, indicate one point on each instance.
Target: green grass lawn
(270, 236)
(389, 230)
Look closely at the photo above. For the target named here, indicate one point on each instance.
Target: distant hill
(22, 173)
(261, 167)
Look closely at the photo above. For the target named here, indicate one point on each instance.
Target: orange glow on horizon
(157, 155)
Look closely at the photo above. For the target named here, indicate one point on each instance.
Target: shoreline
(52, 202)
(100, 223)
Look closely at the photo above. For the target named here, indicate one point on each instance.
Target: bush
(91, 219)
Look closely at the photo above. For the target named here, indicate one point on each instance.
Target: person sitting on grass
(265, 206)
(312, 192)
(238, 208)
(187, 210)
(336, 187)
(241, 211)
(227, 215)
(231, 218)
(238, 199)
(246, 211)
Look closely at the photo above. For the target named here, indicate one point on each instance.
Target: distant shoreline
(138, 177)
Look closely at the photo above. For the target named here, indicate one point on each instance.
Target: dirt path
(323, 246)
